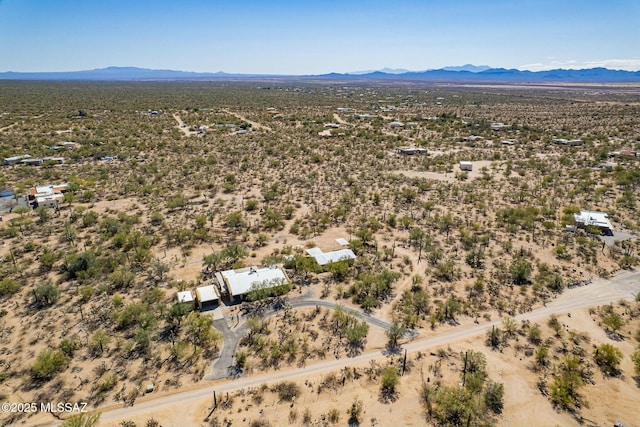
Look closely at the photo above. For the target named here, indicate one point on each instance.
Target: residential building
(324, 258)
(47, 195)
(238, 283)
(410, 151)
(594, 219)
(15, 159)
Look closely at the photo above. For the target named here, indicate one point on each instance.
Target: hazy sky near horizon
(314, 37)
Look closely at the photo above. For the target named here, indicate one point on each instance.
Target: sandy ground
(254, 125)
(339, 119)
(452, 176)
(610, 399)
(524, 404)
(183, 128)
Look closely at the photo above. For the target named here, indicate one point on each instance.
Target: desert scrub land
(172, 182)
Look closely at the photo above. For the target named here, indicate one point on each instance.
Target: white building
(47, 195)
(466, 165)
(324, 258)
(207, 296)
(596, 219)
(241, 282)
(410, 151)
(185, 297)
(15, 159)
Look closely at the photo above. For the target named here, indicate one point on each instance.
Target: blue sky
(313, 37)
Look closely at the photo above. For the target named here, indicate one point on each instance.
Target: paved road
(623, 286)
(331, 305)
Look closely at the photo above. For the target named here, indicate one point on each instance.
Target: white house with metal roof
(324, 258)
(596, 219)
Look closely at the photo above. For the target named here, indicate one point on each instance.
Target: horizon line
(355, 73)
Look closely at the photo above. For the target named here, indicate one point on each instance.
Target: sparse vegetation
(87, 290)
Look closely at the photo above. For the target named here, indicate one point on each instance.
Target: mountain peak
(467, 67)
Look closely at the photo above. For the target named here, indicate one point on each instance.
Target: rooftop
(598, 219)
(207, 293)
(185, 296)
(324, 258)
(241, 281)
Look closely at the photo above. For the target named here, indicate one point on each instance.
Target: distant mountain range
(465, 73)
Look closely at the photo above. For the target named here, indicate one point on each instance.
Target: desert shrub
(494, 397)
(48, 363)
(287, 390)
(68, 346)
(8, 287)
(635, 358)
(45, 295)
(390, 379)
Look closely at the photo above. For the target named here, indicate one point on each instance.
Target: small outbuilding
(342, 241)
(207, 297)
(186, 297)
(466, 165)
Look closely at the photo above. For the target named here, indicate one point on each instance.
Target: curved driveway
(602, 291)
(223, 366)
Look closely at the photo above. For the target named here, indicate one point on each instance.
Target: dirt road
(254, 125)
(623, 286)
(184, 128)
(339, 119)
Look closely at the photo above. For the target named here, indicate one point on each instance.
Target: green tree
(474, 372)
(45, 294)
(98, 341)
(566, 385)
(339, 270)
(213, 260)
(542, 356)
(475, 258)
(235, 220)
(43, 214)
(158, 269)
(613, 321)
(8, 287)
(68, 346)
(47, 259)
(494, 337)
(394, 333)
(455, 406)
(520, 271)
(200, 331)
(390, 379)
(357, 335)
(122, 277)
(273, 219)
(608, 358)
